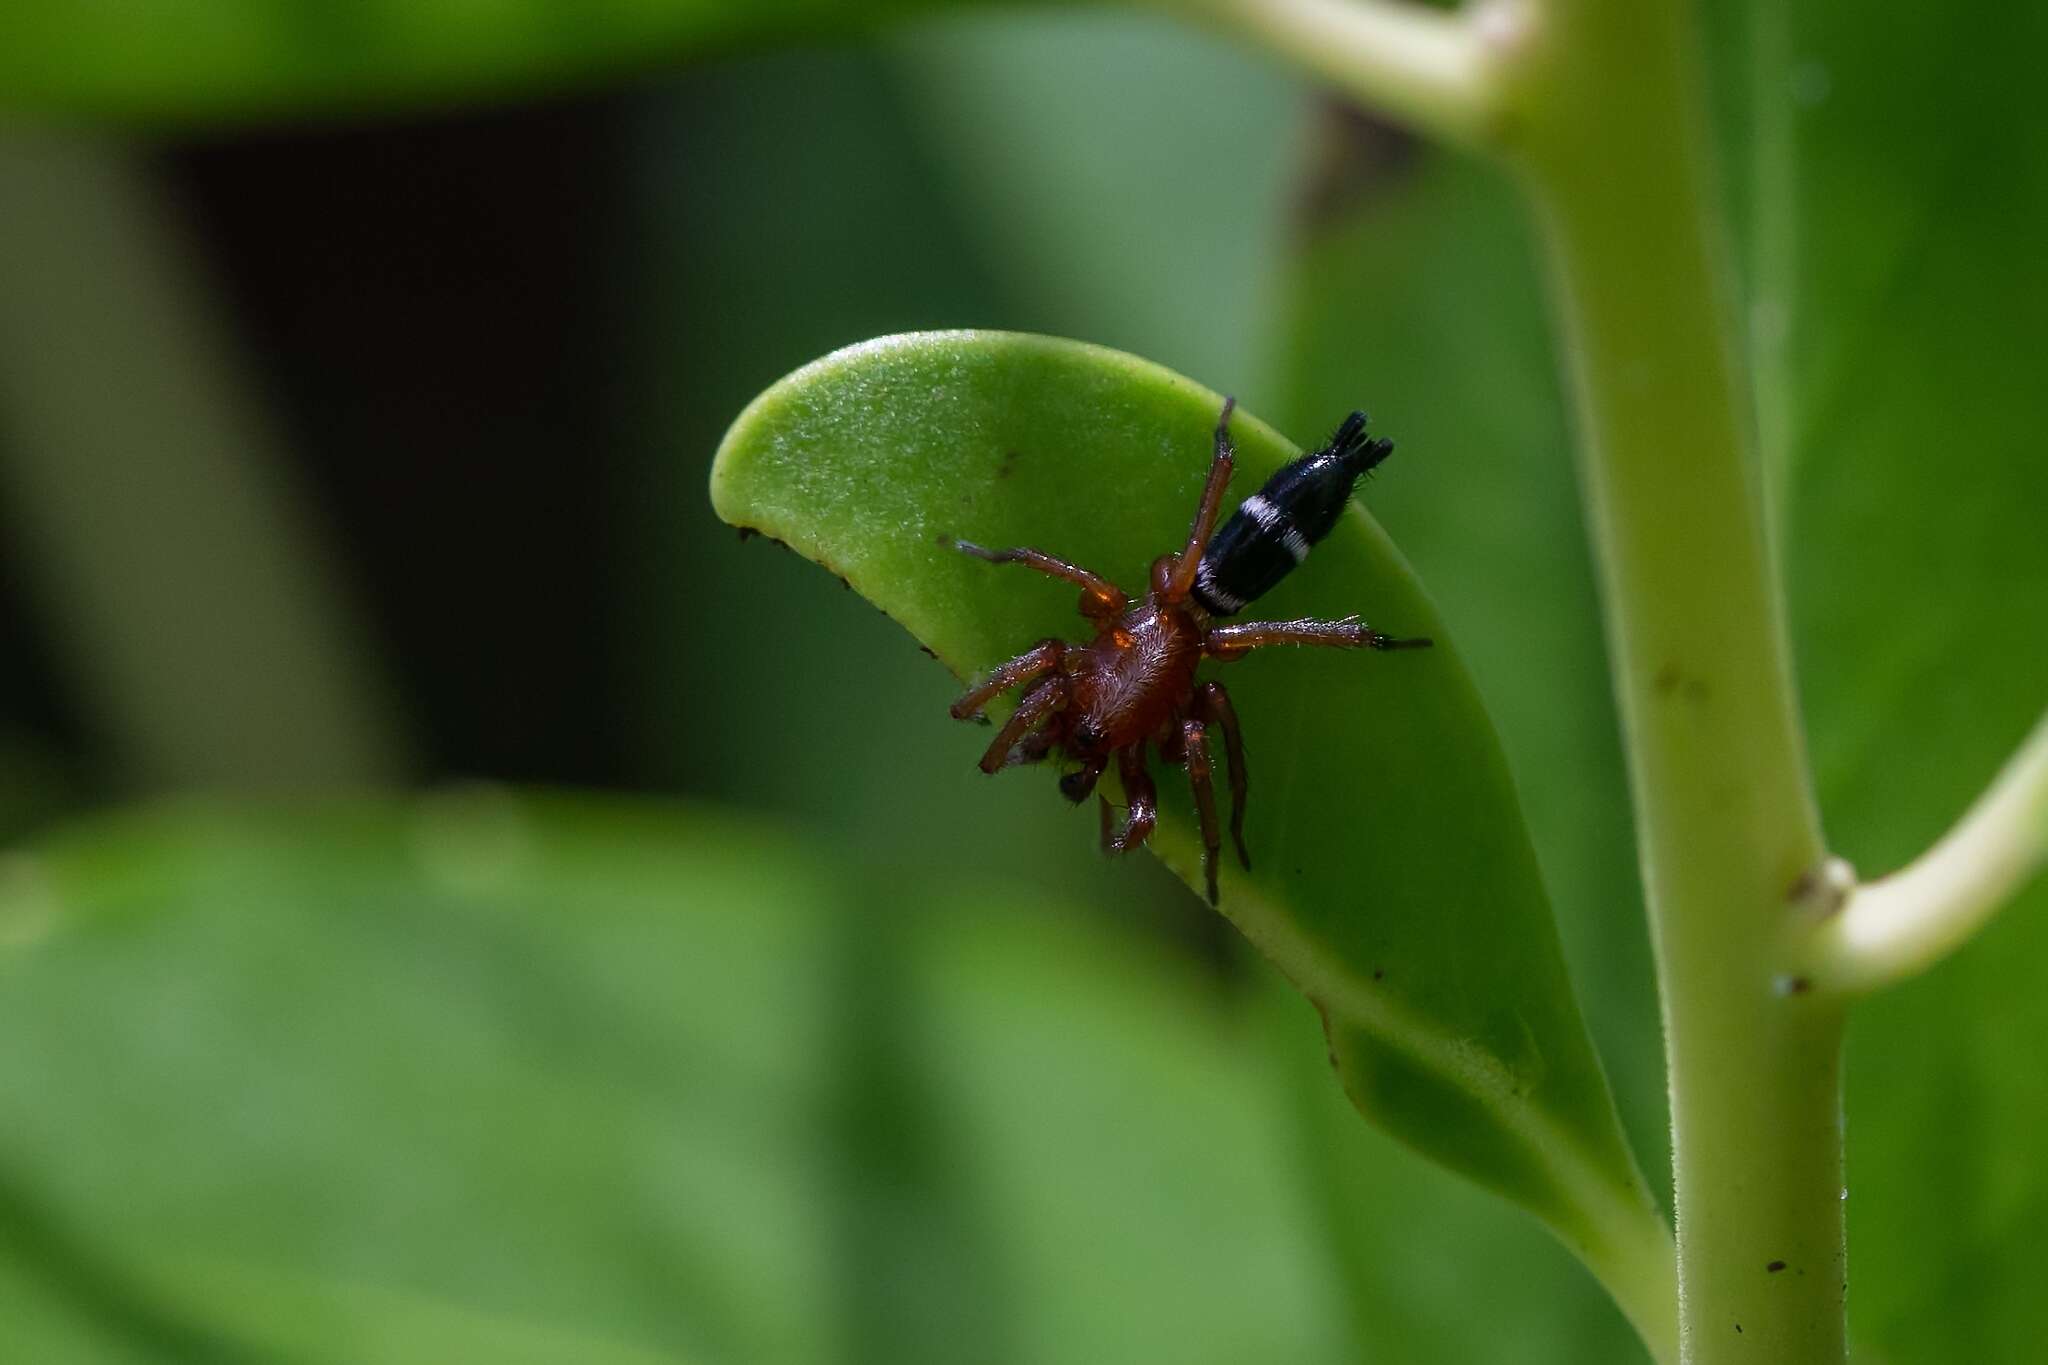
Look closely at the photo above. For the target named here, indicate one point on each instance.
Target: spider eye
(1085, 739)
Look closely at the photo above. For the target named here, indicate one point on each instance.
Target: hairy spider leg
(1196, 737)
(1040, 702)
(1212, 705)
(1144, 799)
(1206, 511)
(1040, 659)
(1230, 642)
(1100, 598)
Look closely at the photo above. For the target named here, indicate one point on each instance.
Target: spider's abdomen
(1274, 529)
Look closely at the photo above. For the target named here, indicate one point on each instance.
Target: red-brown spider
(1134, 684)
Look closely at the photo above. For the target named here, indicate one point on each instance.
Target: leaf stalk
(1430, 68)
(1898, 926)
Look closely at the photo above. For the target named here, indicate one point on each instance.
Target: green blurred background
(355, 453)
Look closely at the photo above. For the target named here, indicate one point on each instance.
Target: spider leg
(1041, 658)
(1076, 785)
(1036, 745)
(1205, 798)
(1230, 642)
(1040, 702)
(1173, 745)
(1212, 704)
(1144, 799)
(1207, 510)
(1099, 597)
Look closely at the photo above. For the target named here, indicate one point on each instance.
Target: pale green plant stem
(1611, 143)
(1899, 925)
(1597, 104)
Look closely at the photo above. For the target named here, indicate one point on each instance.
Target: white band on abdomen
(1275, 523)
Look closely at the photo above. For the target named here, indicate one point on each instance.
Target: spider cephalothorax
(1134, 684)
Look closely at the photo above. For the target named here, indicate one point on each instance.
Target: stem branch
(1893, 928)
(1425, 67)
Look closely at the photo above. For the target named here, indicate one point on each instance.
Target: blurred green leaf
(1408, 907)
(1129, 1141)
(499, 1077)
(504, 1057)
(1901, 285)
(186, 60)
(299, 1318)
(1139, 182)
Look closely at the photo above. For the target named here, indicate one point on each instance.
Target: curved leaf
(1395, 882)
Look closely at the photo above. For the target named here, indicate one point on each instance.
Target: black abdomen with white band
(1274, 529)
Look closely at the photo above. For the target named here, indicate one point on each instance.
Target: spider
(1134, 684)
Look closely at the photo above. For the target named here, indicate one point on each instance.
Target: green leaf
(1900, 284)
(497, 1077)
(185, 60)
(332, 1322)
(1395, 883)
(545, 1063)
